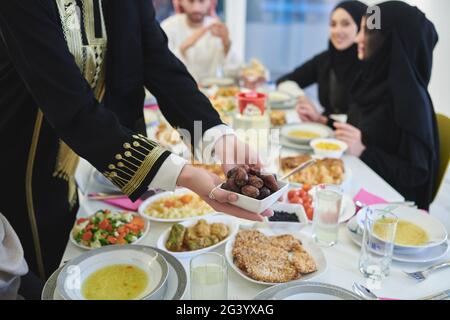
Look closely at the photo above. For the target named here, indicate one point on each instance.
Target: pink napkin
(124, 203)
(368, 198)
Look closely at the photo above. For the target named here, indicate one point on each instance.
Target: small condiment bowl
(326, 153)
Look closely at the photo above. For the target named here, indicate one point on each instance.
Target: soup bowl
(76, 272)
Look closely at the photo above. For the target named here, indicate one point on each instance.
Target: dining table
(342, 258)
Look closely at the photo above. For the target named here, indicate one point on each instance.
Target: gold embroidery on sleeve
(134, 163)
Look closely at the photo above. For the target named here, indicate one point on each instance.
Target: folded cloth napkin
(124, 203)
(368, 198)
(12, 261)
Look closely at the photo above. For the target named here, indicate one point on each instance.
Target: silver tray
(310, 290)
(176, 282)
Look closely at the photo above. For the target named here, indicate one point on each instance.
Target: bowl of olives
(256, 190)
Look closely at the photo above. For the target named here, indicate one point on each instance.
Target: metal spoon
(365, 293)
(299, 168)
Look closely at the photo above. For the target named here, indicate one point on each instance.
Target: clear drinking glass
(209, 277)
(327, 207)
(378, 244)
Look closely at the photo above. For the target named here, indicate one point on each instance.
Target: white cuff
(205, 147)
(167, 175)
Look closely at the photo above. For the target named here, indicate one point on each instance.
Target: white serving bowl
(228, 221)
(436, 231)
(75, 272)
(337, 154)
(258, 206)
(139, 240)
(159, 196)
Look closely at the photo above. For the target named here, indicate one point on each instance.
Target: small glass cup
(378, 244)
(327, 208)
(209, 277)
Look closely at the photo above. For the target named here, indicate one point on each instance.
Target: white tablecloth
(342, 258)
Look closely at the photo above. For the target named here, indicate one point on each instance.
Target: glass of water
(378, 244)
(327, 208)
(209, 277)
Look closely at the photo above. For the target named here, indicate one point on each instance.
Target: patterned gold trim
(90, 60)
(134, 164)
(29, 194)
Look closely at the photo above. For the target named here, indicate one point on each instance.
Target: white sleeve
(167, 175)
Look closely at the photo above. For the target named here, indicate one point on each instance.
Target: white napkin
(12, 261)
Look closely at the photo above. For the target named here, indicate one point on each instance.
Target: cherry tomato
(307, 187)
(87, 236)
(112, 240)
(292, 193)
(296, 200)
(81, 220)
(121, 240)
(307, 200)
(310, 213)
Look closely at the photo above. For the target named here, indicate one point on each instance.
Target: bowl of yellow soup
(304, 133)
(128, 272)
(416, 229)
(329, 148)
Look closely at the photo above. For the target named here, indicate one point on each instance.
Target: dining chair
(444, 138)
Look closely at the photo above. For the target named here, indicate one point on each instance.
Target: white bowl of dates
(256, 190)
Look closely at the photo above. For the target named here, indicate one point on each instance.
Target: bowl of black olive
(256, 190)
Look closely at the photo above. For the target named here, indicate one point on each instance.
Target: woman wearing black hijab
(396, 133)
(335, 69)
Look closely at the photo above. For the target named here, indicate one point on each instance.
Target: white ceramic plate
(144, 234)
(149, 201)
(321, 130)
(176, 281)
(425, 256)
(436, 231)
(75, 272)
(348, 175)
(286, 143)
(306, 291)
(307, 243)
(281, 100)
(232, 227)
(178, 148)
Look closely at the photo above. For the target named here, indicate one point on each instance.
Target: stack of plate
(291, 135)
(436, 248)
(167, 277)
(281, 100)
